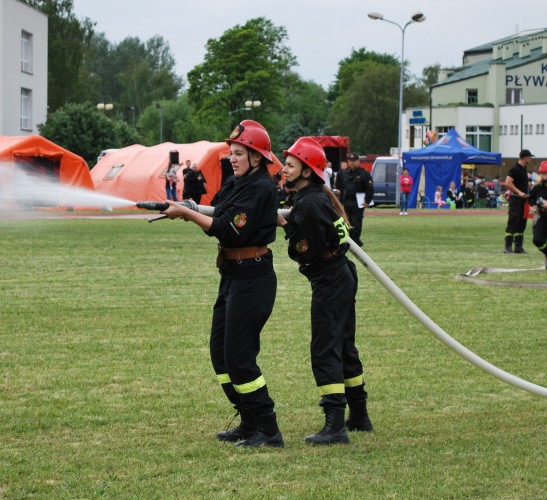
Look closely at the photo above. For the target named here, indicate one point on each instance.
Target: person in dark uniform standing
(195, 184)
(244, 222)
(317, 230)
(517, 182)
(538, 203)
(356, 192)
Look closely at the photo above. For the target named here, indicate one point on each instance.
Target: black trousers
(241, 310)
(334, 356)
(355, 217)
(516, 224)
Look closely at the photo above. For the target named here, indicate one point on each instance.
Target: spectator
(356, 192)
(195, 184)
(469, 195)
(171, 182)
(482, 194)
(328, 174)
(406, 182)
(439, 197)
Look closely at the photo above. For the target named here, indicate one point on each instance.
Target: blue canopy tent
(442, 162)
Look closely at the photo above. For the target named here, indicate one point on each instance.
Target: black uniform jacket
(519, 174)
(350, 182)
(246, 215)
(317, 234)
(539, 191)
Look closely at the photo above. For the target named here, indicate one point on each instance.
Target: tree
(86, 131)
(67, 38)
(177, 126)
(368, 108)
(247, 62)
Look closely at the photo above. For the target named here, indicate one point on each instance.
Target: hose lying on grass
(471, 277)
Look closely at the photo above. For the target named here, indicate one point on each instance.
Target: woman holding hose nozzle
(317, 229)
(244, 222)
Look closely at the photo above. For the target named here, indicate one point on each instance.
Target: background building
(497, 100)
(23, 68)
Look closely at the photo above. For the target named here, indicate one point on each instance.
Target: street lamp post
(160, 107)
(102, 106)
(249, 105)
(418, 17)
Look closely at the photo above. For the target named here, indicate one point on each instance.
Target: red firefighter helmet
(311, 153)
(543, 167)
(253, 136)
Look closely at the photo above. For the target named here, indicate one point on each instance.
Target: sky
(321, 33)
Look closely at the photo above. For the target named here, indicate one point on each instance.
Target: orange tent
(138, 172)
(37, 153)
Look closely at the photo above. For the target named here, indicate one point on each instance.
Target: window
(114, 171)
(26, 52)
(442, 131)
(472, 96)
(480, 137)
(26, 107)
(513, 96)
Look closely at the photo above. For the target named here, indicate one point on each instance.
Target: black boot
(518, 244)
(334, 430)
(508, 244)
(245, 429)
(358, 417)
(267, 433)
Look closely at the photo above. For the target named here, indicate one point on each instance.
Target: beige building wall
(23, 68)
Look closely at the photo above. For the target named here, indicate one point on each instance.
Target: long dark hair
(336, 204)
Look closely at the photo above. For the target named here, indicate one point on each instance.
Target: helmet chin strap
(251, 169)
(292, 184)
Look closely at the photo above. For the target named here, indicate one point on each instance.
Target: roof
(482, 66)
(451, 148)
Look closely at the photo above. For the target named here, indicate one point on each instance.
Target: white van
(384, 176)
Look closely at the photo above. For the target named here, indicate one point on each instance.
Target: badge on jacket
(240, 220)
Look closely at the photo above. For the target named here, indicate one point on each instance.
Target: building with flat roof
(23, 68)
(497, 100)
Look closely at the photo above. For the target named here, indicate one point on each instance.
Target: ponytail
(338, 207)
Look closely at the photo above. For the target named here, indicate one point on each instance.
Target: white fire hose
(419, 315)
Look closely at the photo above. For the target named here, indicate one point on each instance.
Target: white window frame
(26, 109)
(26, 52)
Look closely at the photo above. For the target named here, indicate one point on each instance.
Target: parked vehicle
(384, 176)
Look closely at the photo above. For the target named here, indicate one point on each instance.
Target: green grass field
(107, 391)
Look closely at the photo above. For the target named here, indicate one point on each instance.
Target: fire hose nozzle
(153, 205)
(161, 205)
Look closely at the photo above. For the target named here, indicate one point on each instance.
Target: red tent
(39, 154)
(138, 172)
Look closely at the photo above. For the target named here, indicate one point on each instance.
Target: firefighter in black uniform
(317, 230)
(538, 203)
(517, 183)
(244, 221)
(356, 192)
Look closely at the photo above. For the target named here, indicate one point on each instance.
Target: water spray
(413, 309)
(22, 189)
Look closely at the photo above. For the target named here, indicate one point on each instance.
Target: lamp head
(376, 16)
(418, 17)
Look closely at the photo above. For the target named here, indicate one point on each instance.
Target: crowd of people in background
(194, 185)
